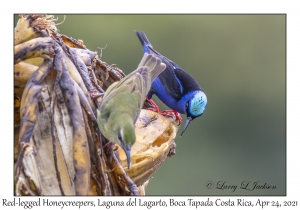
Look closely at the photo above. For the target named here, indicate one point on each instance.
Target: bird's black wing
(167, 77)
(187, 82)
(170, 82)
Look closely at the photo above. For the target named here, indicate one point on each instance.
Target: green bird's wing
(137, 83)
(154, 64)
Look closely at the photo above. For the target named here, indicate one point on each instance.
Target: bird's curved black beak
(187, 121)
(127, 152)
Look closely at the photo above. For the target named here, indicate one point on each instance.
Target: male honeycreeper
(174, 87)
(122, 102)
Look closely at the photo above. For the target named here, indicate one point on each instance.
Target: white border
(154, 6)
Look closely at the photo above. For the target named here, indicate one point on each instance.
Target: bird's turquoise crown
(197, 104)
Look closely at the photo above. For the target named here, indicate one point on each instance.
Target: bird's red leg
(155, 106)
(166, 113)
(177, 115)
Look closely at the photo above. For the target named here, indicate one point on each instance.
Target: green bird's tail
(154, 64)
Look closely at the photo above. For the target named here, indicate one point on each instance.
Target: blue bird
(175, 88)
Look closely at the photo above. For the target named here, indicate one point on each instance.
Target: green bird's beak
(127, 149)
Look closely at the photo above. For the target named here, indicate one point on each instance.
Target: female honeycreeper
(174, 87)
(122, 102)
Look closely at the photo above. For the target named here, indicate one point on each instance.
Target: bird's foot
(109, 144)
(94, 93)
(154, 107)
(168, 113)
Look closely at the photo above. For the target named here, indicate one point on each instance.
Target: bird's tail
(144, 41)
(154, 64)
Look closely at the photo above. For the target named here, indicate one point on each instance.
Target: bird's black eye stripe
(121, 140)
(120, 137)
(186, 105)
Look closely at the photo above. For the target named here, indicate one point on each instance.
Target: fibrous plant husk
(59, 149)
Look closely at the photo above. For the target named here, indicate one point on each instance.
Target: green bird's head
(125, 133)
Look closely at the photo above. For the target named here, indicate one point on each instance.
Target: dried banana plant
(59, 150)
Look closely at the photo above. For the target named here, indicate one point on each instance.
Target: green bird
(122, 103)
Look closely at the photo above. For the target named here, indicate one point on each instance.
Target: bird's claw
(94, 93)
(109, 144)
(168, 113)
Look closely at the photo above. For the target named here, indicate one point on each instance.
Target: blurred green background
(240, 62)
